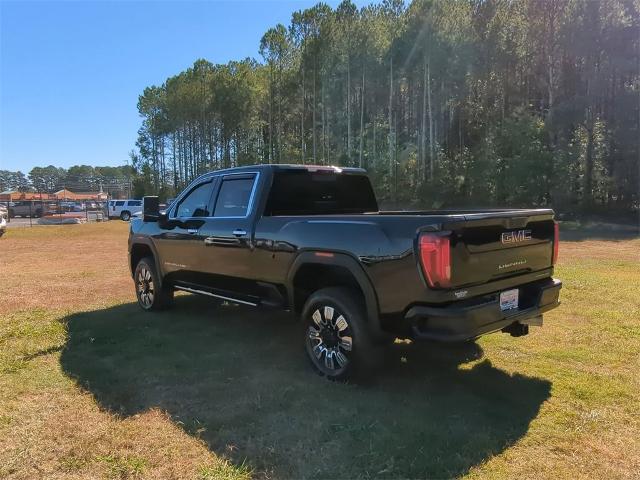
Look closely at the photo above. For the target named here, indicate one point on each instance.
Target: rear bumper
(467, 320)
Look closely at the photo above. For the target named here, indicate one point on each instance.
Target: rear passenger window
(119, 204)
(234, 197)
(196, 203)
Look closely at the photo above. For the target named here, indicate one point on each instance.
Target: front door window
(197, 202)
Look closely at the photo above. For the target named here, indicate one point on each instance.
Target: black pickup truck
(311, 240)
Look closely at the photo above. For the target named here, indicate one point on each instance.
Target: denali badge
(512, 264)
(515, 236)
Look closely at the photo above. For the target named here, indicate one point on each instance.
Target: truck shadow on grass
(237, 379)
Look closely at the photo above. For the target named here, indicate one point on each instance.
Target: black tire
(146, 281)
(336, 334)
(125, 216)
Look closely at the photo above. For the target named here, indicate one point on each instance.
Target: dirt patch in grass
(90, 387)
(64, 267)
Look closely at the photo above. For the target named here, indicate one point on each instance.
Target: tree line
(466, 102)
(80, 178)
(444, 102)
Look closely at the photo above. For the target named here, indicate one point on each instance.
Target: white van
(124, 209)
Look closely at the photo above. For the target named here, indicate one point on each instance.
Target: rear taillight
(435, 256)
(556, 242)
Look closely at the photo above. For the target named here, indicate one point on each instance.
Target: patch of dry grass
(90, 387)
(64, 267)
(50, 428)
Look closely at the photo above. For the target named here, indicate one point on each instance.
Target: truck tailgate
(497, 245)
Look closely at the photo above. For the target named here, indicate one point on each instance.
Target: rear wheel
(125, 216)
(337, 339)
(151, 296)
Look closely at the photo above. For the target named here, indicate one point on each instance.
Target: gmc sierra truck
(311, 240)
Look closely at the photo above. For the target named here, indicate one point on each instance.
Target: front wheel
(151, 296)
(337, 339)
(125, 216)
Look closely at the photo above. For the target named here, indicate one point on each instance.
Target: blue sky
(71, 72)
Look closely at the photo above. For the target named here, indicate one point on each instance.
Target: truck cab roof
(281, 167)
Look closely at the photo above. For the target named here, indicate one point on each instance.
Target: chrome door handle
(192, 230)
(239, 233)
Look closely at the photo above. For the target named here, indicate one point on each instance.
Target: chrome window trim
(212, 178)
(251, 196)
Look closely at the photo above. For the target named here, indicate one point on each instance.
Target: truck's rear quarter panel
(385, 245)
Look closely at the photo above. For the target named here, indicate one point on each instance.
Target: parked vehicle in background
(3, 219)
(31, 208)
(69, 207)
(124, 209)
(80, 206)
(312, 240)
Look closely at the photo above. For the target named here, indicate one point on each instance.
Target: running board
(222, 297)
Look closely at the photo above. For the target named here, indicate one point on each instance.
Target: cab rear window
(304, 192)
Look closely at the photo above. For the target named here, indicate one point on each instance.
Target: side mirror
(151, 209)
(163, 219)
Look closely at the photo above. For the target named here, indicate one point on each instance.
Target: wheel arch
(313, 270)
(141, 248)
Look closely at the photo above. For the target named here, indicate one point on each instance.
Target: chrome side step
(222, 297)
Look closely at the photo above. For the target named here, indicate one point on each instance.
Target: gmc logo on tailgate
(516, 236)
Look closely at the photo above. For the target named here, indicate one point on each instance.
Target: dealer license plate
(509, 299)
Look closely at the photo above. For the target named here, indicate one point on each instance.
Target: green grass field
(91, 387)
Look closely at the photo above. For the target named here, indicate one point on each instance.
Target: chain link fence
(53, 212)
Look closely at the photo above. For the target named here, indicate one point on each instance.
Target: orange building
(65, 194)
(68, 195)
(15, 196)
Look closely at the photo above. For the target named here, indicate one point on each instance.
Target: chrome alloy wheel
(329, 338)
(144, 282)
